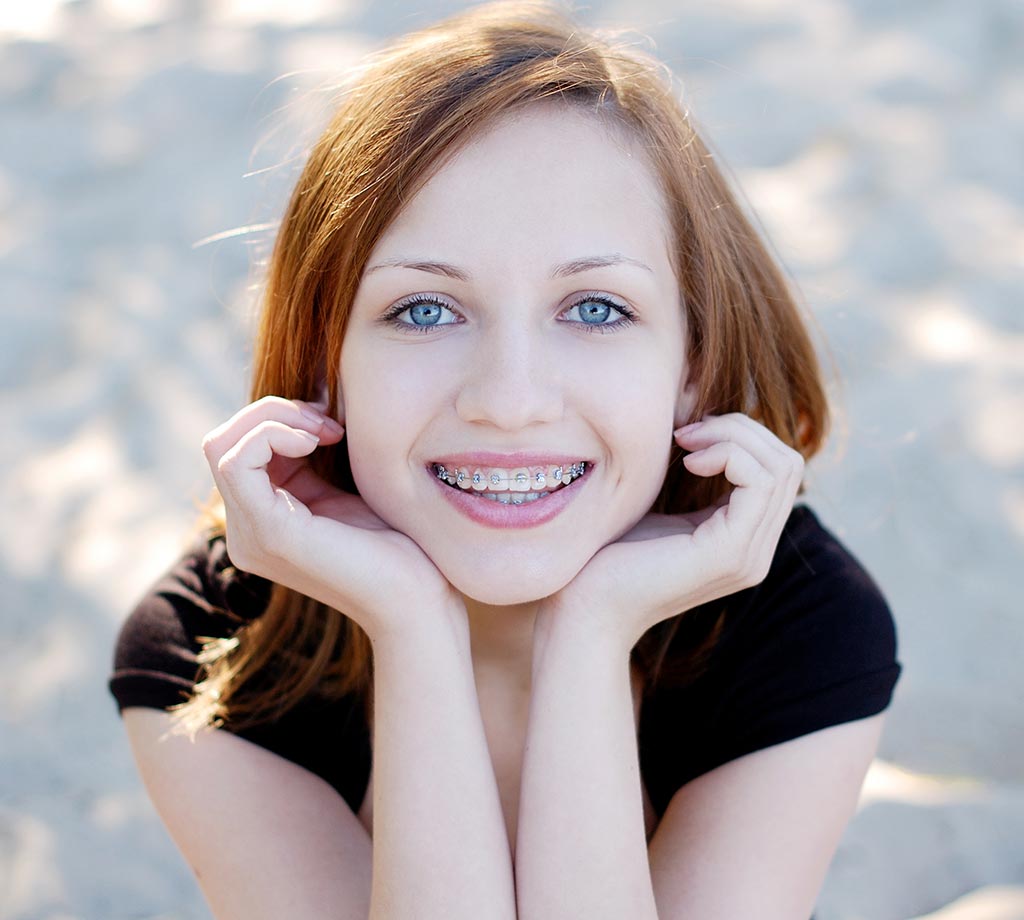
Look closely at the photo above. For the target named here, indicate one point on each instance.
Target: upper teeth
(520, 479)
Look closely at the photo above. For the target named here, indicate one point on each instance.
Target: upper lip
(505, 461)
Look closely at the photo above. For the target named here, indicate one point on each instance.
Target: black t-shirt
(813, 645)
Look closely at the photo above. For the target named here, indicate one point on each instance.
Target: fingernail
(311, 414)
(693, 426)
(306, 434)
(335, 424)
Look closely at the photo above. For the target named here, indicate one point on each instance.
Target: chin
(501, 585)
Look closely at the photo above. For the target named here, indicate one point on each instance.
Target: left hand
(671, 563)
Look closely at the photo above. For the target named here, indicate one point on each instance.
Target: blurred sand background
(882, 146)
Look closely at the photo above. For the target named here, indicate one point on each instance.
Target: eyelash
(628, 317)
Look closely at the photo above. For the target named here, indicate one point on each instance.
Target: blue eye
(425, 314)
(588, 313)
(424, 310)
(594, 309)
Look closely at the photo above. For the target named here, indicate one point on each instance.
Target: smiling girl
(503, 607)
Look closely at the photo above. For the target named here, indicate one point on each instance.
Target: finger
(299, 477)
(752, 499)
(752, 516)
(762, 500)
(754, 437)
(322, 402)
(740, 466)
(322, 409)
(784, 463)
(270, 408)
(242, 472)
(322, 397)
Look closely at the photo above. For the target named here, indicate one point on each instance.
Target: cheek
(638, 433)
(397, 382)
(370, 438)
(637, 409)
(385, 412)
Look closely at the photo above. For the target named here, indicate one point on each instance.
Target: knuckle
(225, 467)
(754, 568)
(798, 469)
(755, 572)
(742, 418)
(245, 559)
(273, 401)
(245, 551)
(239, 555)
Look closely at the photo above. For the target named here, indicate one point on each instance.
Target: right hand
(287, 524)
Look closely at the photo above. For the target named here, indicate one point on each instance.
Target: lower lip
(496, 514)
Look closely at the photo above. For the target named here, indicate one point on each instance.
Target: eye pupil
(429, 313)
(594, 310)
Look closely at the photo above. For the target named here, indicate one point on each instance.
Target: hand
(287, 524)
(671, 563)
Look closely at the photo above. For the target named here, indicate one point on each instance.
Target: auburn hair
(406, 108)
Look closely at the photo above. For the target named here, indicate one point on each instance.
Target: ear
(686, 402)
(338, 410)
(323, 397)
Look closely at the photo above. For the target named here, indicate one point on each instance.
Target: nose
(513, 380)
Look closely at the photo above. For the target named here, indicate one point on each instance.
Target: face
(535, 326)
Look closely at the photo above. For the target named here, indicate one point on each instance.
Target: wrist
(561, 625)
(445, 624)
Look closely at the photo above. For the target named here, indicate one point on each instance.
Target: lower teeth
(512, 498)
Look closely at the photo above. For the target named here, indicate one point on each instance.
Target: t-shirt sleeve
(155, 665)
(155, 655)
(816, 647)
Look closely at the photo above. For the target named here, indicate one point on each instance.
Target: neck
(501, 641)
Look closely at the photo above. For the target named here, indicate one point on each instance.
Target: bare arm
(753, 837)
(267, 838)
(440, 847)
(581, 849)
(264, 837)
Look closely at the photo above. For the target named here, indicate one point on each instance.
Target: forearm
(581, 849)
(440, 847)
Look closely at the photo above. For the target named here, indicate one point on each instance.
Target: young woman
(503, 607)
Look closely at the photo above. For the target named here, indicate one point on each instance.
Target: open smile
(511, 487)
(513, 499)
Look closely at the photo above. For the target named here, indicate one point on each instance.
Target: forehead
(550, 176)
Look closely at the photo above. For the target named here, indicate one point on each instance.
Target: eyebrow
(572, 267)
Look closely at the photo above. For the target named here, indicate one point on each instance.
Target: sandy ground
(881, 143)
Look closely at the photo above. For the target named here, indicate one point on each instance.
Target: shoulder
(156, 666)
(818, 596)
(200, 596)
(787, 712)
(813, 645)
